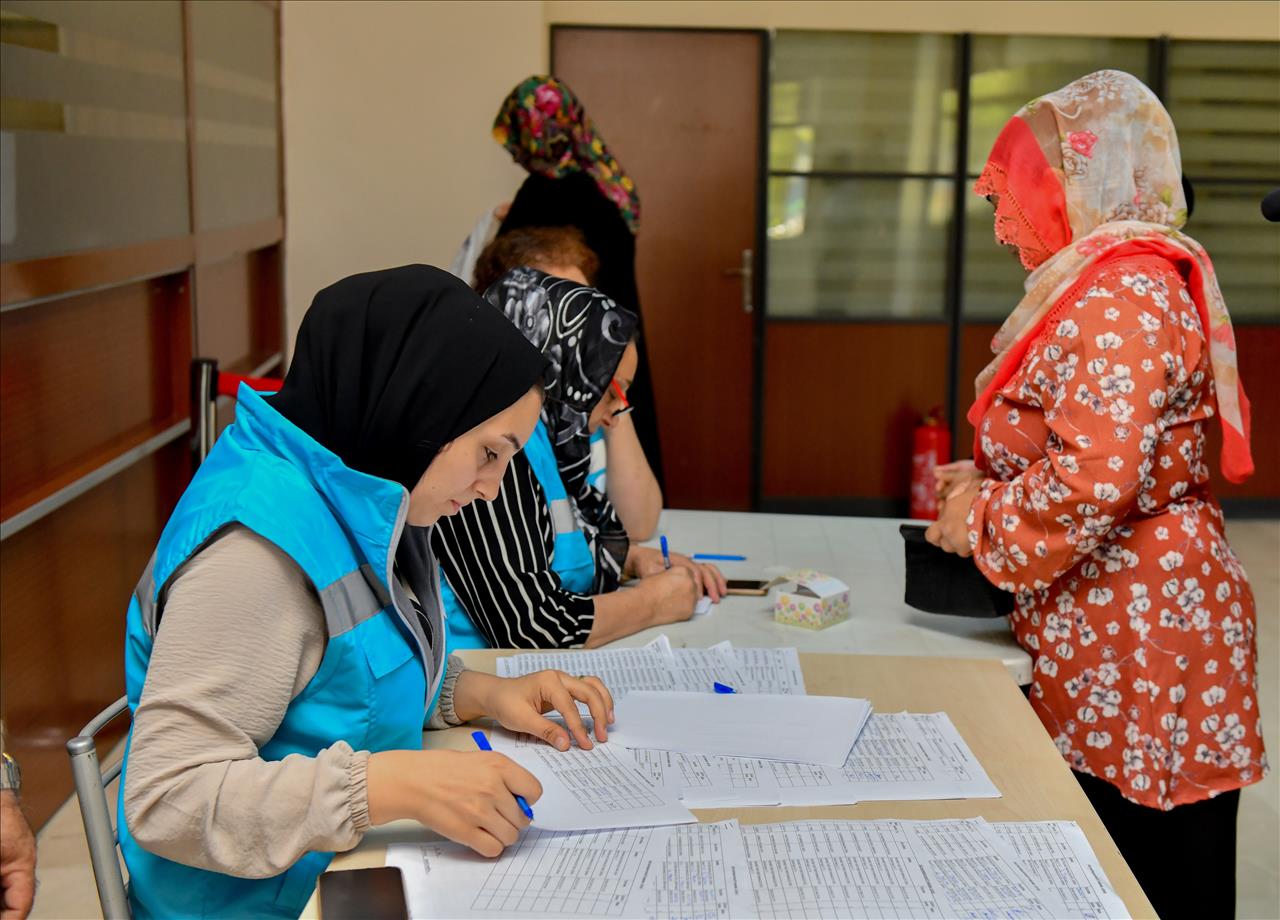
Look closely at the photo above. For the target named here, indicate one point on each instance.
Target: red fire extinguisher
(931, 447)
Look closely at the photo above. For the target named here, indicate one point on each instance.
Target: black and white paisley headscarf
(583, 333)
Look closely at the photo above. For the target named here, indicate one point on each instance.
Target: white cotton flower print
(1115, 463)
(1211, 666)
(1113, 628)
(1162, 533)
(1106, 492)
(1121, 411)
(1098, 739)
(1107, 341)
(1097, 366)
(1171, 560)
(1147, 365)
(1213, 696)
(1140, 283)
(1160, 299)
(1067, 329)
(1148, 322)
(1111, 314)
(1013, 417)
(1052, 352)
(1101, 597)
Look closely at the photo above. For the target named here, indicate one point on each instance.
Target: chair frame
(91, 793)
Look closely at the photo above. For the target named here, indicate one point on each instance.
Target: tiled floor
(66, 882)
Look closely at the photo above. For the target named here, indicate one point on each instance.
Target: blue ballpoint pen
(717, 557)
(722, 688)
(482, 742)
(666, 553)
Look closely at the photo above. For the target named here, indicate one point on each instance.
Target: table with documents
(1022, 851)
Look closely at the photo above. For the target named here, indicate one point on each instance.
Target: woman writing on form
(285, 646)
(1091, 498)
(540, 567)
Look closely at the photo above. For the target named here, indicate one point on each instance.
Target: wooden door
(681, 111)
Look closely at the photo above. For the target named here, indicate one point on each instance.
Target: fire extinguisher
(931, 447)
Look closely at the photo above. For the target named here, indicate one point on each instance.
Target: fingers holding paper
(526, 700)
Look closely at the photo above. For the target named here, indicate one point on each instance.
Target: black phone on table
(363, 894)
(755, 587)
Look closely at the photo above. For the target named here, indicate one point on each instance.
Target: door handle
(747, 273)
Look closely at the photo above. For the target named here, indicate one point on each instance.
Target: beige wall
(1229, 19)
(387, 110)
(387, 103)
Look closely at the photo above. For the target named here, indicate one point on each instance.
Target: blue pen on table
(722, 688)
(482, 742)
(666, 552)
(717, 557)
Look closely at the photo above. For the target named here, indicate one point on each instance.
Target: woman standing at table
(574, 180)
(285, 646)
(1091, 496)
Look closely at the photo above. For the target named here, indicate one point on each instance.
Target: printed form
(695, 871)
(885, 870)
(590, 790)
(1056, 856)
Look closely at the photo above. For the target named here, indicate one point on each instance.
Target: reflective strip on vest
(352, 599)
(562, 516)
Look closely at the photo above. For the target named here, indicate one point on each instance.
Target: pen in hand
(482, 742)
(666, 553)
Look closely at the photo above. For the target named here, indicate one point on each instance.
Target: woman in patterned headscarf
(574, 180)
(1091, 495)
(540, 566)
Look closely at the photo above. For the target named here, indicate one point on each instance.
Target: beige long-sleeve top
(242, 634)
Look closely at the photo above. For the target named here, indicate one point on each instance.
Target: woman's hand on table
(643, 562)
(467, 796)
(951, 530)
(520, 704)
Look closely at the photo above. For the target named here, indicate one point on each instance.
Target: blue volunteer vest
(377, 675)
(571, 557)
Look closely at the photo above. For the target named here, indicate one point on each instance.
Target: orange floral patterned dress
(1097, 512)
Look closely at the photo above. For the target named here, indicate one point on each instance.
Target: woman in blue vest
(540, 566)
(285, 646)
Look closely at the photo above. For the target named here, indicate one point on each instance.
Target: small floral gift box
(816, 602)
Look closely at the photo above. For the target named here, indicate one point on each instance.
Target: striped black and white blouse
(497, 557)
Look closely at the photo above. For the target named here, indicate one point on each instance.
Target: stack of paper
(923, 869)
(897, 756)
(816, 730)
(658, 666)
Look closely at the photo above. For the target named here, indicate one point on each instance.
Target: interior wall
(387, 111)
(1223, 19)
(388, 104)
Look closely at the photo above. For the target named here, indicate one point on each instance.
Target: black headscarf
(392, 365)
(584, 334)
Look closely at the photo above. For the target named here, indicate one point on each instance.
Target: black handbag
(942, 582)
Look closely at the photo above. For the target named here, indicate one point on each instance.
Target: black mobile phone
(363, 894)
(757, 587)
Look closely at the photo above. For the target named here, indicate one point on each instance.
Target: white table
(865, 553)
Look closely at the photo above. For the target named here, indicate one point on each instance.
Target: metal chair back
(91, 784)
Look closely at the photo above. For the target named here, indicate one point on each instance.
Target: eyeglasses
(622, 398)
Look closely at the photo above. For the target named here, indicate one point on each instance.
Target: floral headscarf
(1085, 175)
(545, 130)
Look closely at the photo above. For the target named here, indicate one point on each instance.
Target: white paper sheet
(588, 790)
(697, 670)
(769, 670)
(1057, 857)
(898, 757)
(621, 669)
(919, 869)
(695, 871)
(710, 782)
(805, 729)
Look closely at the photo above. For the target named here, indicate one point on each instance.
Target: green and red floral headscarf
(545, 130)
